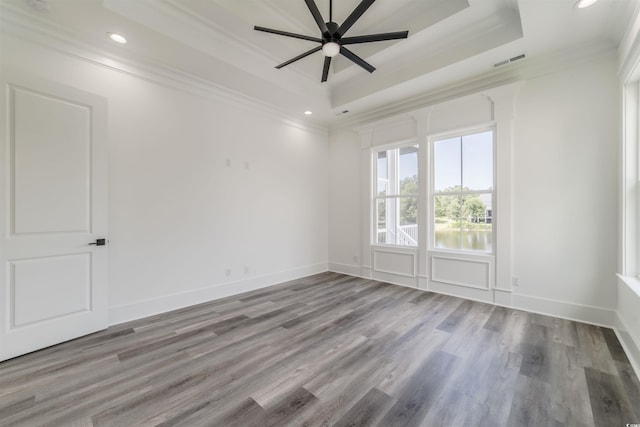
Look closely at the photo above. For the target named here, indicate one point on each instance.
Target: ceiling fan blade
(351, 19)
(317, 16)
(307, 53)
(355, 58)
(284, 33)
(375, 37)
(325, 70)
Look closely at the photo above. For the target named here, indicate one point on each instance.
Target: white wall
(345, 213)
(564, 193)
(178, 216)
(565, 185)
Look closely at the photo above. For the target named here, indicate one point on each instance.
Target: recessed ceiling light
(308, 113)
(117, 38)
(581, 4)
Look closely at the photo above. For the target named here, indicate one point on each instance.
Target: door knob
(99, 242)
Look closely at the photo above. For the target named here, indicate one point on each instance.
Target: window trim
(431, 193)
(373, 229)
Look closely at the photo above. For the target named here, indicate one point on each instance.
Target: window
(396, 200)
(463, 196)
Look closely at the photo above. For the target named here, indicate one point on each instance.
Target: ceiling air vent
(510, 60)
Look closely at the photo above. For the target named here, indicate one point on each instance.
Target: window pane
(381, 221)
(397, 196)
(382, 188)
(397, 221)
(463, 222)
(448, 210)
(382, 165)
(407, 232)
(408, 170)
(477, 161)
(447, 164)
(476, 223)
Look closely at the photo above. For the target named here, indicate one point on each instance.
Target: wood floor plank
(609, 402)
(593, 350)
(328, 349)
(614, 346)
(631, 386)
(367, 410)
(531, 405)
(495, 398)
(419, 394)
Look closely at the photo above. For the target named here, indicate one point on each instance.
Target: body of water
(471, 240)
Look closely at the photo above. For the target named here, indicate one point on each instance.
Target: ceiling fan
(332, 41)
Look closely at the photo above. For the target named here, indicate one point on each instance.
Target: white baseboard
(357, 271)
(141, 309)
(630, 345)
(565, 310)
(502, 297)
(348, 269)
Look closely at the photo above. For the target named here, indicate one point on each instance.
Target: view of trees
(459, 208)
(409, 205)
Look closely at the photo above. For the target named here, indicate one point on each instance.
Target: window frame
(432, 194)
(396, 187)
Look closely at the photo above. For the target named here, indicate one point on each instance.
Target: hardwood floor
(329, 350)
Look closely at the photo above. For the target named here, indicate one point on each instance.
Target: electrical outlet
(228, 272)
(246, 269)
(355, 259)
(228, 163)
(515, 282)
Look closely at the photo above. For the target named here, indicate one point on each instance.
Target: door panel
(51, 147)
(48, 278)
(53, 284)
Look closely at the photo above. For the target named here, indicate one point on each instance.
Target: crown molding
(41, 32)
(512, 73)
(629, 50)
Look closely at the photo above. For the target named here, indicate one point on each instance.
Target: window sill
(632, 282)
(394, 247)
(462, 253)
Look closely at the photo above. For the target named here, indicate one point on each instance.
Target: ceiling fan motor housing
(333, 29)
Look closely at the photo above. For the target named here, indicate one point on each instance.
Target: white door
(53, 283)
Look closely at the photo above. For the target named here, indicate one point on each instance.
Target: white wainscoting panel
(49, 288)
(462, 272)
(394, 262)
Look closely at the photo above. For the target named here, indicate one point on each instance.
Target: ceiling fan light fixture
(331, 49)
(581, 4)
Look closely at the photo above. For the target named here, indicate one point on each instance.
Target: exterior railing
(407, 235)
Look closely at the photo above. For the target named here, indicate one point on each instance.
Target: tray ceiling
(450, 41)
